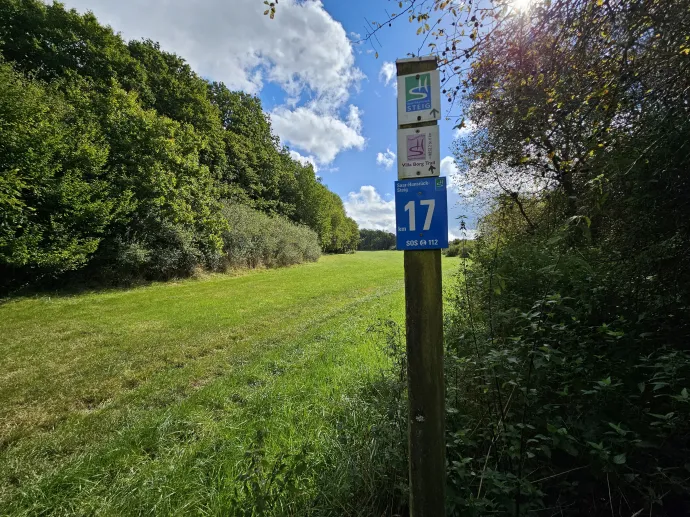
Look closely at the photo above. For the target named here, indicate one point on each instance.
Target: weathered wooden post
(422, 230)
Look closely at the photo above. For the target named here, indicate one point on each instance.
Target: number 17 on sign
(421, 214)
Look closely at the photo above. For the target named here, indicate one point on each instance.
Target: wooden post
(426, 389)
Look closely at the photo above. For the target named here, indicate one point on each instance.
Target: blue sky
(327, 95)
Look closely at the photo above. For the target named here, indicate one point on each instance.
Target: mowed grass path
(145, 400)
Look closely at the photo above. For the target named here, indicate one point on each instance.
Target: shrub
(459, 248)
(555, 368)
(255, 239)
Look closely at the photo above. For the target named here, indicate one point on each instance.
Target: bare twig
(560, 474)
(610, 498)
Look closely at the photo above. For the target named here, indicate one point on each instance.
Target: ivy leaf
(619, 459)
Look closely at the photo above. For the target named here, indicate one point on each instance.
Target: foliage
(115, 158)
(371, 240)
(567, 363)
(459, 248)
(54, 202)
(254, 239)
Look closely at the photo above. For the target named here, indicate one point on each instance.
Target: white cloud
(456, 181)
(468, 128)
(322, 135)
(450, 170)
(460, 234)
(387, 73)
(303, 50)
(370, 210)
(354, 118)
(304, 160)
(386, 159)
(303, 47)
(448, 166)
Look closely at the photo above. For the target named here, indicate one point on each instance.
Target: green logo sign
(418, 92)
(440, 183)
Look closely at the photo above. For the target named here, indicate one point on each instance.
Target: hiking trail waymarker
(421, 213)
(419, 97)
(418, 152)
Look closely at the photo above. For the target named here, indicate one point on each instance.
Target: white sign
(419, 97)
(418, 152)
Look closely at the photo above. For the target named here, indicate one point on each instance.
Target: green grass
(148, 400)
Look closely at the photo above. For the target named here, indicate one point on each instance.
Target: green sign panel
(418, 92)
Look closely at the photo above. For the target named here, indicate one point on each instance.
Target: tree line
(373, 240)
(117, 157)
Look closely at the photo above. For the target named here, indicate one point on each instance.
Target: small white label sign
(419, 97)
(418, 152)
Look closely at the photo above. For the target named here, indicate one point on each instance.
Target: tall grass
(274, 393)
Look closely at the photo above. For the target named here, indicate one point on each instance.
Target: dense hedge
(255, 239)
(567, 340)
(371, 240)
(459, 248)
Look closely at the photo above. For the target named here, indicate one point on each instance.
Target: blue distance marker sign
(421, 214)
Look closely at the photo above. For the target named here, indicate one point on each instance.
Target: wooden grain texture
(424, 324)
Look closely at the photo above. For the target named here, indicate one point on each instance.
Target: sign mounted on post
(418, 152)
(421, 214)
(419, 97)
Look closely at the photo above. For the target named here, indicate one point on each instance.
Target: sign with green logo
(418, 92)
(419, 97)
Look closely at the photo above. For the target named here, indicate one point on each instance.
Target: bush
(459, 248)
(559, 366)
(255, 239)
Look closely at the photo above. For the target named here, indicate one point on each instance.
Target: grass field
(189, 397)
